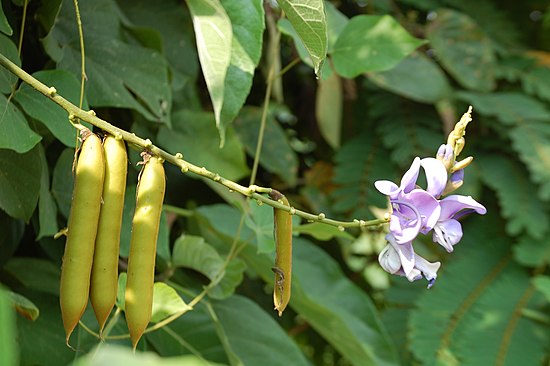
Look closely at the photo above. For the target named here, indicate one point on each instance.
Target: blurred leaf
(542, 283)
(260, 221)
(371, 43)
(127, 217)
(9, 50)
(194, 134)
(15, 133)
(214, 37)
(8, 333)
(121, 291)
(163, 241)
(44, 276)
(463, 49)
(328, 109)
(309, 21)
(193, 252)
(231, 280)
(336, 22)
(12, 232)
(515, 194)
(417, 77)
(63, 181)
(4, 25)
(264, 344)
(24, 306)
(532, 252)
(131, 76)
(19, 182)
(537, 82)
(55, 118)
(166, 302)
(47, 210)
(277, 155)
(321, 231)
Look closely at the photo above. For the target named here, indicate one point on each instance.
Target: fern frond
(532, 252)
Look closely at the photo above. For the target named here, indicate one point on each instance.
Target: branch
(251, 191)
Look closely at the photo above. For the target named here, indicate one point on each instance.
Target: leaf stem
(22, 32)
(82, 53)
(177, 159)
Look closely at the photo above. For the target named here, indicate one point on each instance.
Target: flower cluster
(416, 210)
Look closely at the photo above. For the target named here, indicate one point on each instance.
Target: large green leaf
(463, 49)
(44, 276)
(119, 73)
(328, 109)
(372, 43)
(24, 307)
(4, 25)
(309, 21)
(47, 210)
(532, 252)
(542, 283)
(263, 343)
(214, 37)
(15, 133)
(166, 302)
(12, 232)
(194, 134)
(417, 77)
(63, 181)
(44, 110)
(9, 50)
(260, 221)
(193, 252)
(8, 335)
(19, 182)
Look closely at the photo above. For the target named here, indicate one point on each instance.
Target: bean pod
(82, 230)
(141, 262)
(104, 279)
(283, 258)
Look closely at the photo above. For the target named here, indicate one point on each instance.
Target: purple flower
(401, 259)
(448, 230)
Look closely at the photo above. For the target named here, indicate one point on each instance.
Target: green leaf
(24, 306)
(44, 276)
(542, 283)
(19, 182)
(8, 333)
(537, 82)
(15, 133)
(63, 181)
(166, 302)
(309, 21)
(532, 252)
(515, 193)
(260, 221)
(265, 344)
(372, 43)
(417, 77)
(328, 109)
(193, 252)
(44, 110)
(247, 21)
(119, 73)
(214, 37)
(277, 155)
(194, 134)
(9, 50)
(47, 210)
(321, 231)
(121, 291)
(12, 232)
(4, 24)
(336, 22)
(463, 49)
(232, 278)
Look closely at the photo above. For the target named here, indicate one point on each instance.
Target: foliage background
(327, 140)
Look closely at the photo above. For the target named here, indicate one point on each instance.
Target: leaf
(44, 276)
(12, 233)
(131, 76)
(321, 231)
(233, 277)
(463, 49)
(127, 217)
(254, 345)
(532, 252)
(9, 50)
(371, 43)
(309, 20)
(247, 21)
(514, 191)
(44, 110)
(166, 302)
(4, 25)
(542, 283)
(121, 291)
(260, 221)
(19, 182)
(336, 22)
(24, 306)
(537, 82)
(328, 109)
(214, 37)
(193, 252)
(277, 155)
(194, 134)
(417, 77)
(63, 181)
(47, 210)
(15, 133)
(9, 349)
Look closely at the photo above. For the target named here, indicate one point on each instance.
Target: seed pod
(283, 258)
(104, 280)
(82, 229)
(143, 246)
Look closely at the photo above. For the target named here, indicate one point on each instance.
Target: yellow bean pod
(283, 258)
(104, 280)
(143, 246)
(82, 229)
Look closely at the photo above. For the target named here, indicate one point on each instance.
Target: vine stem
(251, 191)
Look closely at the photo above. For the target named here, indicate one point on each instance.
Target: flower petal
(447, 233)
(406, 255)
(386, 187)
(408, 182)
(451, 205)
(428, 269)
(427, 206)
(436, 175)
(389, 259)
